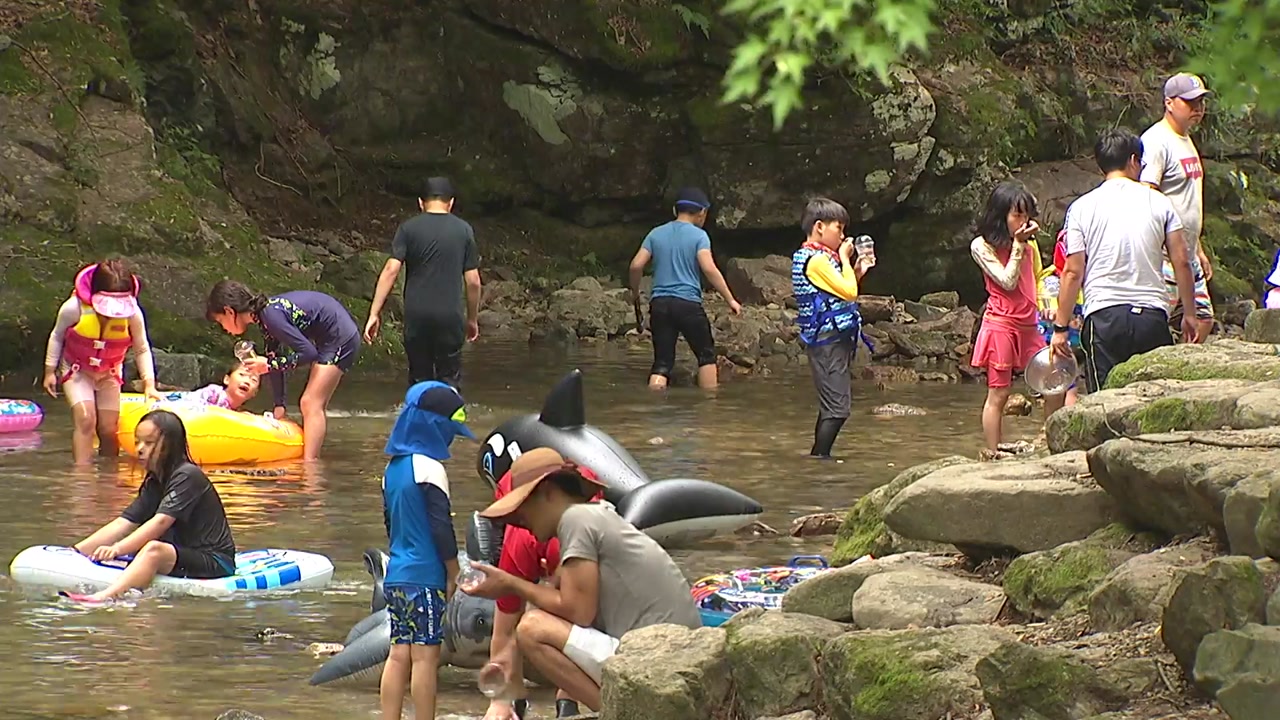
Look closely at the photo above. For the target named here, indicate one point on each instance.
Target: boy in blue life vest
(824, 278)
(424, 551)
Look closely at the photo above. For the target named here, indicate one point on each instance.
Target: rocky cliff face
(150, 127)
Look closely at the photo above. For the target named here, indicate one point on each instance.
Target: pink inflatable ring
(19, 416)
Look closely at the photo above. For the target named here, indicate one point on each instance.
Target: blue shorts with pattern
(417, 614)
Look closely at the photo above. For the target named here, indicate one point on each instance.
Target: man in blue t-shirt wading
(679, 250)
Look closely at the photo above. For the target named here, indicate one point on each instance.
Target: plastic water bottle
(492, 681)
(864, 245)
(468, 577)
(244, 350)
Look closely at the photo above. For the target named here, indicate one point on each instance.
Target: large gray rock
(923, 597)
(1262, 326)
(1228, 655)
(760, 281)
(1267, 529)
(1048, 582)
(907, 674)
(1179, 482)
(1273, 608)
(1251, 697)
(863, 531)
(1242, 508)
(1228, 359)
(1162, 406)
(1022, 682)
(1223, 594)
(774, 660)
(1022, 505)
(592, 312)
(830, 594)
(184, 371)
(666, 671)
(1139, 590)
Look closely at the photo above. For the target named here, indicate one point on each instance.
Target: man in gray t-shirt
(612, 577)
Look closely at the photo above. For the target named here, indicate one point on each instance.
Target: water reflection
(189, 657)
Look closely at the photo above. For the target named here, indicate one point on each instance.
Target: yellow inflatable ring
(216, 435)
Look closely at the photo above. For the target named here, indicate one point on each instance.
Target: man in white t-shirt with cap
(1171, 164)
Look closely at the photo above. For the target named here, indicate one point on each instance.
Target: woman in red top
(525, 557)
(1010, 335)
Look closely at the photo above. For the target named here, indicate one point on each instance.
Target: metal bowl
(1050, 374)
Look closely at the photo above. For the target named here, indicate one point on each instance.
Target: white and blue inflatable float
(674, 512)
(269, 570)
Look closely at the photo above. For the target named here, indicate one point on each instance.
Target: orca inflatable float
(673, 512)
(468, 628)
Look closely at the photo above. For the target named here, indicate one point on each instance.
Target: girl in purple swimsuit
(298, 327)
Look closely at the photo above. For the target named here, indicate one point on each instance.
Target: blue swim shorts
(417, 614)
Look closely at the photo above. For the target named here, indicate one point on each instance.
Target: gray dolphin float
(674, 512)
(468, 628)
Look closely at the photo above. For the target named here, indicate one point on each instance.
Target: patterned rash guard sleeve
(286, 348)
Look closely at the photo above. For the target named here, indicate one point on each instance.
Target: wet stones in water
(897, 410)
(756, 528)
(817, 524)
(325, 649)
(266, 635)
(239, 715)
(1019, 405)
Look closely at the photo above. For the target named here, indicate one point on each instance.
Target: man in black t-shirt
(194, 536)
(438, 251)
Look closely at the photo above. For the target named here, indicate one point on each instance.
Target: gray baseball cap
(1185, 86)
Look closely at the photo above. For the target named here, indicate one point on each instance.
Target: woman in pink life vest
(96, 326)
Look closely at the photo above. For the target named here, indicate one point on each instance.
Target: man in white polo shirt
(1116, 236)
(1171, 164)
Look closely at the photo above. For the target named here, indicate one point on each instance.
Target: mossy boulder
(1222, 359)
(907, 674)
(774, 658)
(1139, 590)
(1058, 581)
(830, 594)
(667, 671)
(1229, 655)
(1223, 594)
(1162, 406)
(1262, 326)
(1021, 682)
(863, 531)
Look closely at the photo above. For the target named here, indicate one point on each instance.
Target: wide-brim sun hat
(115, 304)
(527, 472)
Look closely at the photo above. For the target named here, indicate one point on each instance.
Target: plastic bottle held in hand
(865, 246)
(492, 681)
(244, 350)
(468, 577)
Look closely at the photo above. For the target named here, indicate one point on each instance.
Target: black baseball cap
(693, 197)
(438, 187)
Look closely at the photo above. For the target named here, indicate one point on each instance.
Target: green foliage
(771, 63)
(693, 18)
(1238, 51)
(1242, 53)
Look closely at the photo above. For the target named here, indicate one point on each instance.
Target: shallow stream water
(181, 657)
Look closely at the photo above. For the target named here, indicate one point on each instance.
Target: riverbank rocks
(1241, 668)
(1163, 406)
(830, 594)
(1138, 590)
(184, 371)
(1044, 583)
(666, 671)
(924, 597)
(863, 531)
(1262, 326)
(1220, 359)
(774, 658)
(1023, 505)
(1223, 594)
(1180, 483)
(1022, 682)
(920, 674)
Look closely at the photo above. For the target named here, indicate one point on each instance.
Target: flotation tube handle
(119, 562)
(802, 560)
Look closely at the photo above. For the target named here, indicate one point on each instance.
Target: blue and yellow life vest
(824, 318)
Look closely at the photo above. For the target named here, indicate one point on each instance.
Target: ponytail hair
(112, 275)
(234, 295)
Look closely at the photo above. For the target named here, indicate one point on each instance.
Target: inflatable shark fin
(564, 407)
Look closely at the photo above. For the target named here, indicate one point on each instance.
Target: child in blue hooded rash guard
(424, 550)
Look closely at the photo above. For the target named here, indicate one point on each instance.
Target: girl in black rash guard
(299, 327)
(175, 526)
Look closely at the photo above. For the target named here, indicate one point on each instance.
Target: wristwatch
(1061, 328)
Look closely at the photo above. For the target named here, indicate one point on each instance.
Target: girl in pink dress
(1009, 336)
